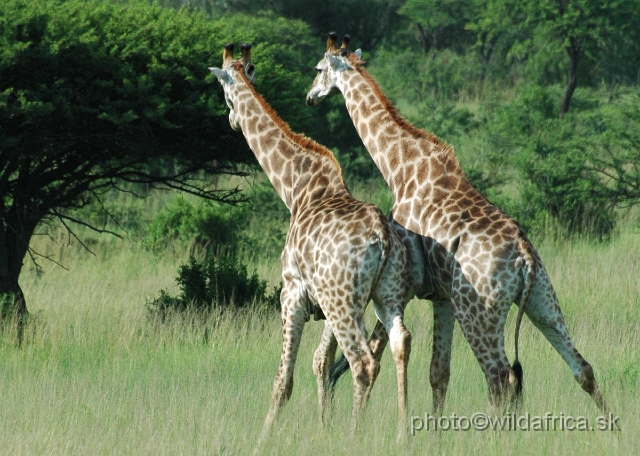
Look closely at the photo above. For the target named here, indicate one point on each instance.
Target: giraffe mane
(390, 107)
(299, 139)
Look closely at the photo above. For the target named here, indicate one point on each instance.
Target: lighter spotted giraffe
(339, 253)
(471, 259)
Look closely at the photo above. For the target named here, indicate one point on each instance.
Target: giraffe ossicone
(339, 254)
(466, 255)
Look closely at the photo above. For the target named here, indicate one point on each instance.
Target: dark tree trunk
(15, 235)
(424, 39)
(15, 308)
(486, 51)
(573, 50)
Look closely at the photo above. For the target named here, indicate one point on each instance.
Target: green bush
(428, 88)
(576, 171)
(214, 283)
(356, 165)
(205, 223)
(265, 230)
(413, 76)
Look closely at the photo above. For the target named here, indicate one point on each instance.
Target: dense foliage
(94, 94)
(255, 228)
(206, 224)
(576, 172)
(539, 99)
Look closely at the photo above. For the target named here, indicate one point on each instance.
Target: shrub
(577, 171)
(214, 283)
(265, 229)
(206, 223)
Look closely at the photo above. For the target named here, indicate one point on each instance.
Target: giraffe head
(225, 75)
(336, 60)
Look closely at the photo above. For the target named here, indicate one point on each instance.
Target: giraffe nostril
(312, 101)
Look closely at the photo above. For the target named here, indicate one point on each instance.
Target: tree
(576, 26)
(577, 173)
(582, 30)
(285, 54)
(440, 23)
(370, 21)
(96, 94)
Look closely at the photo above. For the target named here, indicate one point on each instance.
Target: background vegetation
(104, 102)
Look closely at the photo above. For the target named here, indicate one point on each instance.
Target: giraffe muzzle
(310, 101)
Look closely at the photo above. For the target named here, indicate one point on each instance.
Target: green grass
(96, 377)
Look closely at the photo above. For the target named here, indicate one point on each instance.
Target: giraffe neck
(416, 165)
(387, 136)
(300, 169)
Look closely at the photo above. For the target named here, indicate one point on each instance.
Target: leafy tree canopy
(93, 94)
(371, 21)
(587, 40)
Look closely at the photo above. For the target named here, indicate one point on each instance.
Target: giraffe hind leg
(294, 317)
(350, 333)
(544, 312)
(323, 358)
(377, 344)
(389, 303)
(482, 323)
(444, 322)
(440, 369)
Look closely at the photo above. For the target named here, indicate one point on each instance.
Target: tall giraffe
(471, 259)
(339, 252)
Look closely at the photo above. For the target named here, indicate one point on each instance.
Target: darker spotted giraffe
(468, 257)
(339, 253)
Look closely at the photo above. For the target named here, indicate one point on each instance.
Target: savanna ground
(96, 376)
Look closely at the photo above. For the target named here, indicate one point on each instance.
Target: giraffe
(339, 252)
(466, 255)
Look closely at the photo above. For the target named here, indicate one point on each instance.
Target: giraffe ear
(222, 75)
(250, 71)
(336, 63)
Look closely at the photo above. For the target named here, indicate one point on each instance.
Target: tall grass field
(96, 377)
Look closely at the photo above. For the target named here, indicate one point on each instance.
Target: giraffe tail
(529, 276)
(383, 238)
